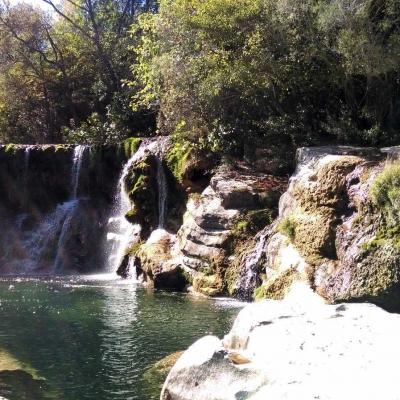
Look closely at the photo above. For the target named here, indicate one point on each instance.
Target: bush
(385, 193)
(288, 227)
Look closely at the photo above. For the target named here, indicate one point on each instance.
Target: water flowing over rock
(199, 252)
(162, 193)
(136, 177)
(299, 348)
(53, 203)
(70, 208)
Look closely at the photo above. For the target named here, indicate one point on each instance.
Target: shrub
(131, 146)
(385, 193)
(288, 227)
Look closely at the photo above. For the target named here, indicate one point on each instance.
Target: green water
(93, 338)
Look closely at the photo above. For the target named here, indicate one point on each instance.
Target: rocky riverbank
(298, 348)
(250, 233)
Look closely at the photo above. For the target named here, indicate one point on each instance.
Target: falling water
(27, 156)
(69, 206)
(121, 232)
(162, 193)
(45, 236)
(79, 152)
(249, 275)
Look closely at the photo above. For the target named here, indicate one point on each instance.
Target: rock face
(203, 247)
(327, 220)
(299, 348)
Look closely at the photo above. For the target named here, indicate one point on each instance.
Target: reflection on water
(93, 337)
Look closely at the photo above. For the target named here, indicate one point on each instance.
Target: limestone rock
(326, 220)
(204, 372)
(299, 348)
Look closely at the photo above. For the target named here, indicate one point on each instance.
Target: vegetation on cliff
(221, 75)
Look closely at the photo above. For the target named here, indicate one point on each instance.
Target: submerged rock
(298, 348)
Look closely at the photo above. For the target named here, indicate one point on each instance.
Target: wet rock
(159, 264)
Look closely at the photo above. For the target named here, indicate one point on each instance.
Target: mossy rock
(209, 285)
(277, 288)
(131, 146)
(155, 376)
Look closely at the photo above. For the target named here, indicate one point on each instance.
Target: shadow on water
(94, 338)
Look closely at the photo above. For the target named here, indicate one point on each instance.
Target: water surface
(94, 337)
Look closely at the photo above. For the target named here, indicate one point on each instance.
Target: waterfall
(79, 152)
(69, 206)
(120, 231)
(45, 236)
(27, 156)
(162, 193)
(248, 276)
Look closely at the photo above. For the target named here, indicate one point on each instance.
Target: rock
(326, 222)
(204, 372)
(159, 263)
(156, 374)
(19, 380)
(208, 230)
(142, 185)
(298, 348)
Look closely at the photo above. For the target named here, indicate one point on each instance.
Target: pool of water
(95, 337)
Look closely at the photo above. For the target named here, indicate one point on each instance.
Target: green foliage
(178, 156)
(385, 193)
(288, 227)
(61, 78)
(271, 69)
(131, 146)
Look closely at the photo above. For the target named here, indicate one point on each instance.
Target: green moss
(131, 146)
(61, 147)
(252, 221)
(139, 183)
(277, 288)
(11, 148)
(131, 215)
(177, 158)
(288, 227)
(134, 248)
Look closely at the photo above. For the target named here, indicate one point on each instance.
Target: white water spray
(162, 193)
(79, 152)
(120, 232)
(69, 206)
(248, 279)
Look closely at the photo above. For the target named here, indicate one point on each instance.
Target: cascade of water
(162, 193)
(70, 206)
(120, 231)
(79, 152)
(27, 156)
(248, 276)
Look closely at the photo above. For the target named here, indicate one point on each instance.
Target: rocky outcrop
(327, 219)
(299, 348)
(236, 201)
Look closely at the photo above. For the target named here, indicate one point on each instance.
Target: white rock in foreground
(298, 349)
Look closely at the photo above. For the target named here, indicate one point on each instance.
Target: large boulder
(299, 348)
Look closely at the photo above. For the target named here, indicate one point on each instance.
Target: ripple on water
(92, 337)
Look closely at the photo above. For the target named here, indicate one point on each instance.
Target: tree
(230, 73)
